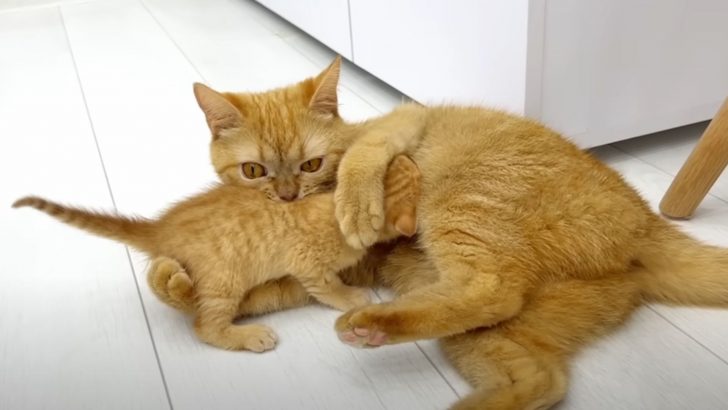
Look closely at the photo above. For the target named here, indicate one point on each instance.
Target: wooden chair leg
(700, 171)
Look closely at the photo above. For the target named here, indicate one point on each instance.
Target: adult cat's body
(528, 249)
(232, 238)
(522, 231)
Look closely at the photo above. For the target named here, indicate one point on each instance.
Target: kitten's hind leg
(288, 292)
(214, 325)
(171, 284)
(274, 295)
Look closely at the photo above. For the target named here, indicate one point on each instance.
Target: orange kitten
(170, 282)
(233, 238)
(286, 143)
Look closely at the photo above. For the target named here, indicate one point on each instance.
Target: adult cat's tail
(681, 270)
(131, 231)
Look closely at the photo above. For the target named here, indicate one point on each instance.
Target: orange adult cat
(529, 248)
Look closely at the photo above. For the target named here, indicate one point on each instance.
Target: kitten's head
(285, 142)
(401, 194)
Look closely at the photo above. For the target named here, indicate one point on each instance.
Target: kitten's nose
(287, 197)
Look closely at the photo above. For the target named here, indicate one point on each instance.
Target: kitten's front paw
(359, 201)
(357, 297)
(258, 338)
(358, 328)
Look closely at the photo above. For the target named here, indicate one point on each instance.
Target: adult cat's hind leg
(506, 375)
(523, 362)
(171, 284)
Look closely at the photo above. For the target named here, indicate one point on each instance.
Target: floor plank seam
(424, 353)
(43, 6)
(171, 39)
(113, 202)
(691, 337)
(437, 369)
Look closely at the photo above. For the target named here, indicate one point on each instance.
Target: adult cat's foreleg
(473, 290)
(359, 193)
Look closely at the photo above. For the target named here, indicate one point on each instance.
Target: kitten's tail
(131, 231)
(681, 270)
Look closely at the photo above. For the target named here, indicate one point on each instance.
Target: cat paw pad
(363, 337)
(358, 328)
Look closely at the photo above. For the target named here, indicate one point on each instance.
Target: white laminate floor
(96, 108)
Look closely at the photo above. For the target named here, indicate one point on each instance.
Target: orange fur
(527, 238)
(171, 284)
(211, 249)
(529, 249)
(280, 130)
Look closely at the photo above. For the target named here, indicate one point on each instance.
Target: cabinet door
(621, 68)
(325, 20)
(463, 51)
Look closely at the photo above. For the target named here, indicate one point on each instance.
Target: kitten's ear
(406, 224)
(219, 112)
(324, 99)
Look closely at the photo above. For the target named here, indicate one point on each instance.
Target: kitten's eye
(253, 170)
(312, 165)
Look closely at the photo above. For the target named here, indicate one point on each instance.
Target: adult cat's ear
(324, 99)
(219, 112)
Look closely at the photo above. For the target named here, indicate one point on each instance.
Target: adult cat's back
(538, 191)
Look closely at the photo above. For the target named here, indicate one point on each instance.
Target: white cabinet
(598, 71)
(326, 20)
(445, 51)
(616, 69)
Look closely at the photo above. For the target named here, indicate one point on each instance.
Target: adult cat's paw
(359, 201)
(358, 327)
